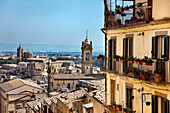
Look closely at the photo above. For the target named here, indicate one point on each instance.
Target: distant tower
(87, 63)
(19, 53)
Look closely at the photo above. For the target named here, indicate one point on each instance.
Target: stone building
(14, 94)
(145, 33)
(87, 63)
(69, 81)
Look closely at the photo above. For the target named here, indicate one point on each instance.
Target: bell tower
(19, 53)
(87, 63)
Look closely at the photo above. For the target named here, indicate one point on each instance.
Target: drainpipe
(106, 55)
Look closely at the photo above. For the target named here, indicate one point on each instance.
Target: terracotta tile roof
(16, 83)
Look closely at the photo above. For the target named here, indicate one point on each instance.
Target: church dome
(28, 52)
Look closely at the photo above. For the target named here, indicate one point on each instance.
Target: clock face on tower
(87, 55)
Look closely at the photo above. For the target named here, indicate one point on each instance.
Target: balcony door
(127, 50)
(112, 51)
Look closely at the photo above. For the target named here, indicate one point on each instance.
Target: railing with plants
(118, 107)
(131, 14)
(137, 72)
(101, 58)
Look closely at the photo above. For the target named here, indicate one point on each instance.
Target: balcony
(140, 70)
(127, 13)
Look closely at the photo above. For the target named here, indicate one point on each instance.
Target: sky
(62, 22)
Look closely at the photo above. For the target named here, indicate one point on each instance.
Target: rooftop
(16, 83)
(78, 76)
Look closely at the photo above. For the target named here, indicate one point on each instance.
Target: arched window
(87, 56)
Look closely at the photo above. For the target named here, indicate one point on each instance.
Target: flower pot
(126, 8)
(101, 58)
(130, 21)
(139, 20)
(130, 74)
(139, 63)
(116, 59)
(131, 61)
(125, 111)
(126, 21)
(142, 77)
(158, 78)
(120, 9)
(131, 6)
(135, 21)
(123, 60)
(119, 108)
(114, 106)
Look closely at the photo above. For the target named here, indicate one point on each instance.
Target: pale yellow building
(144, 33)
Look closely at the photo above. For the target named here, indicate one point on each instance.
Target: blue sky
(51, 21)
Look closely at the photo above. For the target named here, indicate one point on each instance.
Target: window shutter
(154, 47)
(154, 104)
(130, 46)
(125, 47)
(110, 54)
(166, 47)
(114, 46)
(166, 106)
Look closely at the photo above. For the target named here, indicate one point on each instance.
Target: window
(127, 50)
(160, 104)
(68, 85)
(87, 55)
(112, 51)
(160, 47)
(128, 97)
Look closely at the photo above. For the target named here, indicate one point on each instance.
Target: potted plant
(138, 61)
(126, 8)
(123, 59)
(130, 21)
(131, 6)
(125, 110)
(118, 22)
(114, 105)
(158, 75)
(131, 59)
(119, 107)
(149, 62)
(142, 75)
(129, 71)
(116, 57)
(121, 9)
(126, 21)
(100, 57)
(148, 74)
(135, 73)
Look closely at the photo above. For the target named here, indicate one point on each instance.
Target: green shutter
(154, 47)
(110, 54)
(130, 46)
(166, 47)
(114, 46)
(125, 47)
(154, 104)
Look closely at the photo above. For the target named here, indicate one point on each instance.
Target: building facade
(136, 50)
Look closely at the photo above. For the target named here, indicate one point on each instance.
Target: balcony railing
(143, 72)
(121, 15)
